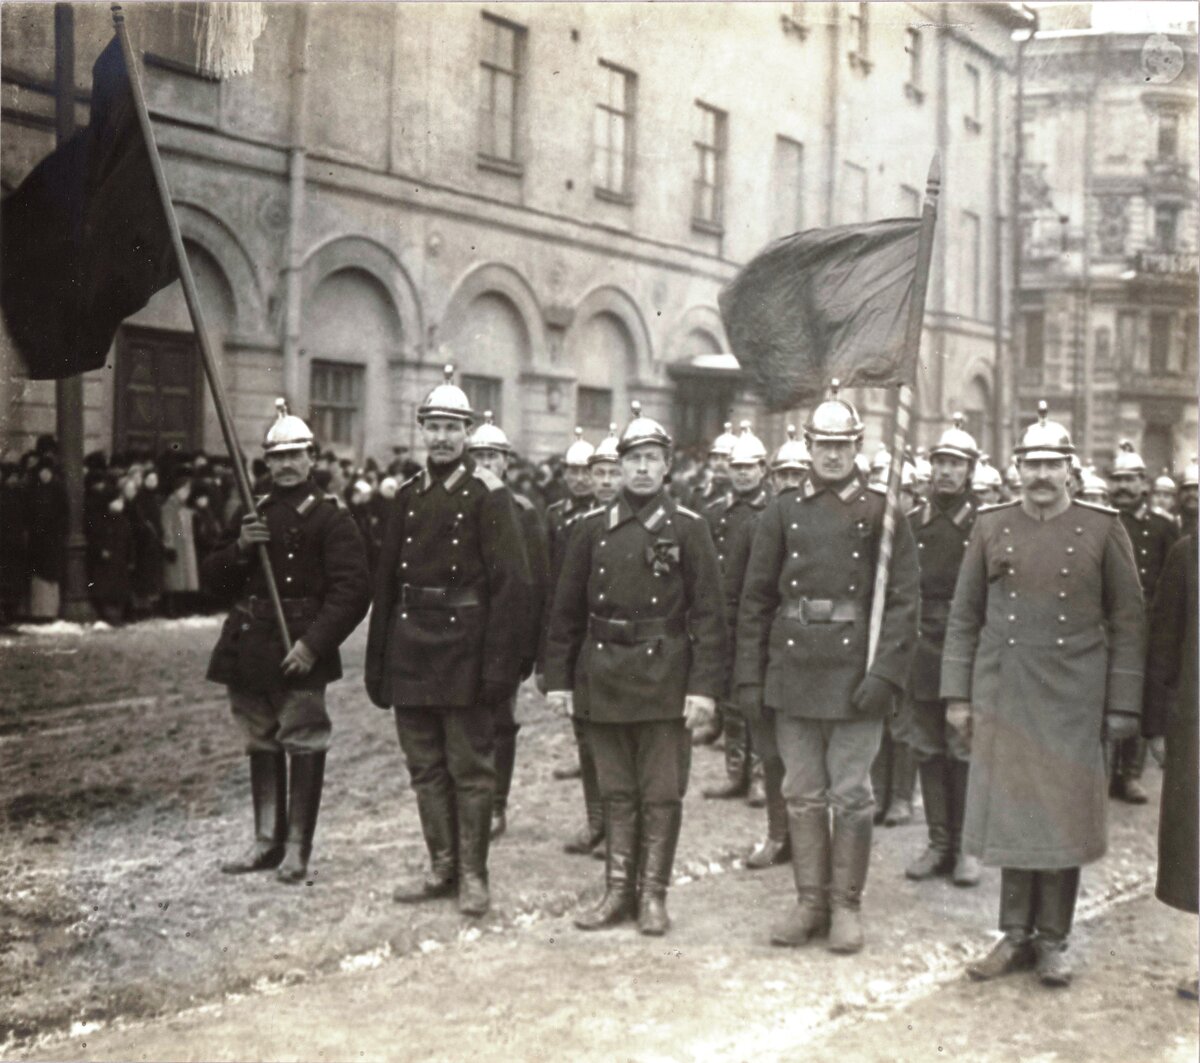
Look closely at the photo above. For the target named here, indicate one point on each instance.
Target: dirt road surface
(123, 785)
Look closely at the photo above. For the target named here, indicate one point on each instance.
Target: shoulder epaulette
(720, 500)
(554, 507)
(522, 501)
(593, 512)
(879, 489)
(409, 482)
(1096, 507)
(258, 502)
(337, 500)
(915, 511)
(999, 505)
(489, 479)
(688, 512)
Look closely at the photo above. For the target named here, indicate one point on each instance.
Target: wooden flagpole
(192, 295)
(902, 405)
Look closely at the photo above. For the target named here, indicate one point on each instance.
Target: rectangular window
(969, 267)
(335, 403)
(974, 98)
(612, 162)
(788, 190)
(1168, 135)
(483, 393)
(707, 188)
(503, 47)
(912, 45)
(853, 193)
(910, 202)
(593, 409)
(1166, 220)
(1127, 338)
(1035, 338)
(860, 34)
(1160, 342)
(1191, 328)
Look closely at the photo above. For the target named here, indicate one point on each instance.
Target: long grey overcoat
(1046, 636)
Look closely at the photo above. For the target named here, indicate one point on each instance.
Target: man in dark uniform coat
(727, 517)
(490, 448)
(444, 645)
(941, 527)
(320, 567)
(802, 645)
(1189, 498)
(636, 650)
(1152, 536)
(1043, 659)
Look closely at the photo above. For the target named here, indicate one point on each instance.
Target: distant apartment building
(550, 196)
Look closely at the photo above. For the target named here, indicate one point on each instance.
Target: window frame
(353, 407)
(859, 55)
(975, 301)
(971, 119)
(1160, 353)
(624, 194)
(718, 149)
(783, 141)
(591, 395)
(1167, 120)
(1028, 361)
(471, 384)
(914, 47)
(1164, 210)
(490, 69)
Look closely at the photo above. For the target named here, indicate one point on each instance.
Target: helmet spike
(834, 386)
(791, 431)
(1043, 410)
(448, 373)
(578, 432)
(636, 407)
(745, 427)
(958, 420)
(488, 418)
(281, 407)
(1127, 446)
(612, 428)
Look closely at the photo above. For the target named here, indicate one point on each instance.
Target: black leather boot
(307, 780)
(938, 857)
(756, 796)
(1130, 762)
(851, 857)
(904, 778)
(592, 833)
(474, 836)
(268, 791)
(737, 760)
(1054, 916)
(621, 838)
(776, 848)
(967, 869)
(660, 836)
(1014, 951)
(439, 824)
(881, 776)
(505, 747)
(809, 917)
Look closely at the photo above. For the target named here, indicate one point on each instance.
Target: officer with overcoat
(490, 449)
(941, 526)
(278, 699)
(1152, 536)
(1043, 658)
(444, 647)
(802, 644)
(636, 651)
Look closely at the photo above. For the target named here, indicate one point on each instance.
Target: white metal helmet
(793, 454)
(1094, 488)
(748, 449)
(882, 460)
(446, 400)
(288, 432)
(722, 446)
(987, 476)
(922, 470)
(1012, 475)
(1128, 460)
(908, 475)
(833, 419)
(1191, 474)
(957, 442)
(608, 450)
(1045, 439)
(489, 436)
(1164, 483)
(579, 453)
(642, 430)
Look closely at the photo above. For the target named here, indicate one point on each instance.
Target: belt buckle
(818, 610)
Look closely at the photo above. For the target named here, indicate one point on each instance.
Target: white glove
(562, 702)
(698, 710)
(1158, 750)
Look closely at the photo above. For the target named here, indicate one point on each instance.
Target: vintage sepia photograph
(658, 532)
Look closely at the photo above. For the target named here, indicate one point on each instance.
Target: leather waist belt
(938, 609)
(439, 597)
(628, 632)
(821, 610)
(293, 608)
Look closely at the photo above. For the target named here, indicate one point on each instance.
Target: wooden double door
(158, 391)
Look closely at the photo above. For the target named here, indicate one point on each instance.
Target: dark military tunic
(941, 531)
(806, 602)
(1172, 703)
(730, 512)
(320, 567)
(451, 592)
(537, 555)
(561, 516)
(1045, 637)
(638, 622)
(1152, 536)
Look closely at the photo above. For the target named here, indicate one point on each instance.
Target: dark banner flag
(825, 303)
(84, 238)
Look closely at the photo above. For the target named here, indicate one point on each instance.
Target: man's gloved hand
(252, 532)
(750, 700)
(1158, 749)
(958, 718)
(495, 691)
(698, 710)
(873, 697)
(300, 659)
(562, 702)
(1118, 726)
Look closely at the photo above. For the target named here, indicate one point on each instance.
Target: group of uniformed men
(1011, 637)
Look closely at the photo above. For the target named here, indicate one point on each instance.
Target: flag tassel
(192, 297)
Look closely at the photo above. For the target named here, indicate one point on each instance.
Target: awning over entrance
(716, 366)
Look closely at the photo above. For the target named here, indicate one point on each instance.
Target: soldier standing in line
(1044, 651)
(727, 516)
(490, 448)
(802, 642)
(987, 484)
(560, 517)
(717, 488)
(1152, 536)
(605, 466)
(1164, 497)
(320, 566)
(444, 644)
(941, 527)
(1189, 498)
(636, 650)
(791, 463)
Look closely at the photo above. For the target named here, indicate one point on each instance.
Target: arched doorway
(707, 381)
(602, 352)
(977, 412)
